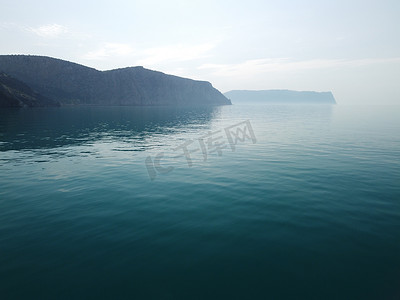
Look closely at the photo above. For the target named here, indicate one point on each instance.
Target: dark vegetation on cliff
(70, 83)
(14, 93)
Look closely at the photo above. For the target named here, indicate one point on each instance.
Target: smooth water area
(232, 202)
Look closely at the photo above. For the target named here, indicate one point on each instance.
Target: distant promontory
(280, 96)
(59, 82)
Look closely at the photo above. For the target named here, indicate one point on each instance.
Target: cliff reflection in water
(46, 128)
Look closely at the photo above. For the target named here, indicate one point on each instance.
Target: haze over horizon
(349, 48)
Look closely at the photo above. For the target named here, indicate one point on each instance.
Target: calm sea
(233, 202)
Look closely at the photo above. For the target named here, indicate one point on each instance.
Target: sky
(351, 48)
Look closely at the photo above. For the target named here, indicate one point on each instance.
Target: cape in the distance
(28, 80)
(280, 97)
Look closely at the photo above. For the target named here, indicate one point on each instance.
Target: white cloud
(152, 56)
(7, 25)
(173, 53)
(49, 31)
(257, 66)
(110, 49)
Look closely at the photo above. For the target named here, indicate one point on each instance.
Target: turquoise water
(100, 202)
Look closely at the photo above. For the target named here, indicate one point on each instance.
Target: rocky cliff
(14, 93)
(71, 83)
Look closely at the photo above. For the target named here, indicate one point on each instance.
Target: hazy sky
(351, 48)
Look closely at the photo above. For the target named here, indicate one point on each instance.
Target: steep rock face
(71, 83)
(280, 96)
(14, 93)
(156, 88)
